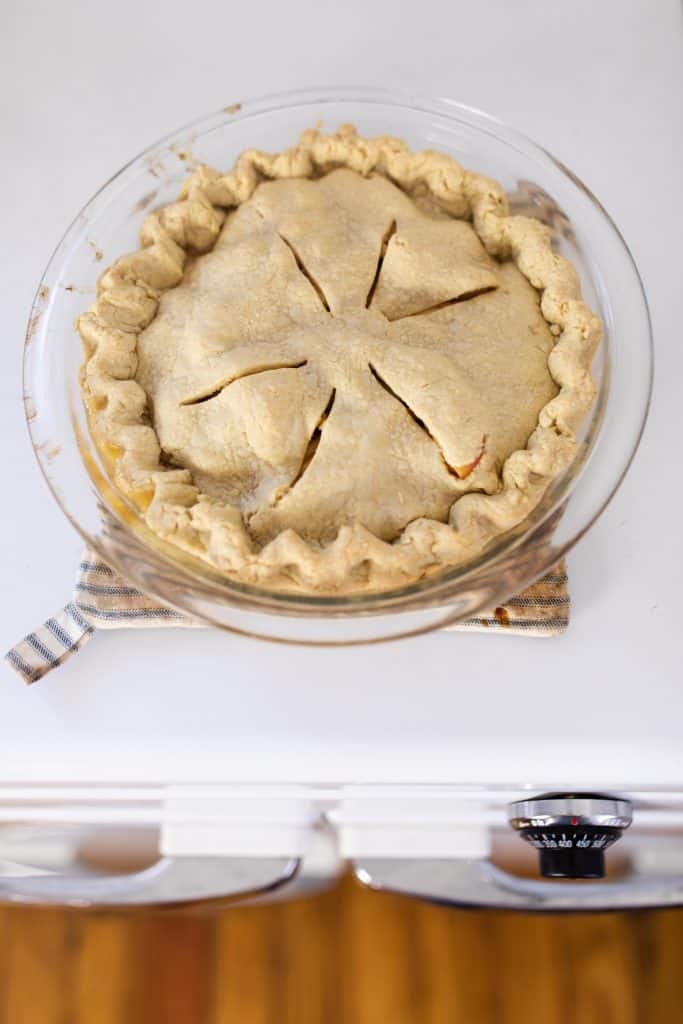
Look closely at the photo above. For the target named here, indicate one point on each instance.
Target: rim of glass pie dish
(72, 467)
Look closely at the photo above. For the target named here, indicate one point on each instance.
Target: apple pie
(337, 368)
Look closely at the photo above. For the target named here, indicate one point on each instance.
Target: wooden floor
(345, 956)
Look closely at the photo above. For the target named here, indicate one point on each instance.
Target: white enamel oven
(462, 846)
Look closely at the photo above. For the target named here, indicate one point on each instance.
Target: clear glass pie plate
(108, 226)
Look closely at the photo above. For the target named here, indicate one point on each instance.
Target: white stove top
(602, 86)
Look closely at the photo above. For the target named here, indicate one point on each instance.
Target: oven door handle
(479, 883)
(170, 881)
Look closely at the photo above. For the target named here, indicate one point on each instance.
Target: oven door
(171, 845)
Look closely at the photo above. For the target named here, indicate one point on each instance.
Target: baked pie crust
(339, 367)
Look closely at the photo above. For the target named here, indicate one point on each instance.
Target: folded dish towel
(104, 600)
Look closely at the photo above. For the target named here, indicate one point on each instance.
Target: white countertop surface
(85, 86)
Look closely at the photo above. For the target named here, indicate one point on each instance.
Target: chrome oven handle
(478, 883)
(171, 880)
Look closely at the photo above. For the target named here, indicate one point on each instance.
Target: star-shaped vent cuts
(344, 354)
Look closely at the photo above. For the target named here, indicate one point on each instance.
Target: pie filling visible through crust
(337, 368)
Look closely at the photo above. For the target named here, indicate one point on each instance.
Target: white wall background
(84, 86)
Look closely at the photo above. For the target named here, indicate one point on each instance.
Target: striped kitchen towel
(104, 600)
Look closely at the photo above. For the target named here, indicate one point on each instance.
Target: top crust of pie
(339, 367)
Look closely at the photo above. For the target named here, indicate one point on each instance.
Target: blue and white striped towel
(104, 600)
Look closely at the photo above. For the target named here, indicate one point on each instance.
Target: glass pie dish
(108, 226)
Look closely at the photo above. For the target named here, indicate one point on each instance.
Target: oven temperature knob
(571, 831)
